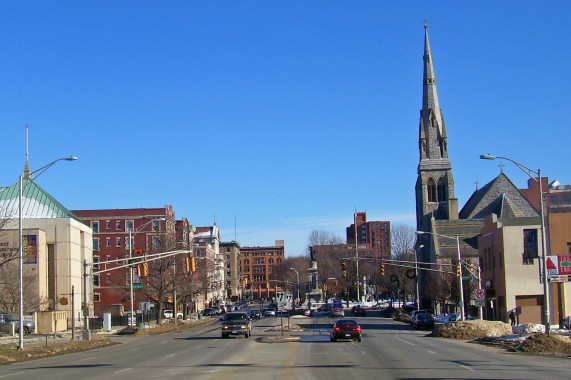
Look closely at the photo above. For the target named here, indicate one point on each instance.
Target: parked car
(423, 320)
(255, 313)
(415, 312)
(236, 323)
(337, 310)
(6, 319)
(346, 329)
(358, 310)
(209, 312)
(270, 312)
(169, 314)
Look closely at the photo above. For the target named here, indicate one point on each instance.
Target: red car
(346, 329)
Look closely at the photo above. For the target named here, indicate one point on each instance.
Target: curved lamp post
(21, 240)
(543, 273)
(297, 274)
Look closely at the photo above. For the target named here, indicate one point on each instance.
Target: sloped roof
(36, 202)
(501, 197)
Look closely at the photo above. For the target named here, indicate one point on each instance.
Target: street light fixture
(28, 177)
(297, 273)
(529, 171)
(461, 286)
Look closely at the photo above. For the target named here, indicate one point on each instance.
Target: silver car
(6, 319)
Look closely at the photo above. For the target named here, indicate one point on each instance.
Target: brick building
(152, 229)
(373, 238)
(257, 265)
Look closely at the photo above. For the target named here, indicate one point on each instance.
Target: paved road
(389, 350)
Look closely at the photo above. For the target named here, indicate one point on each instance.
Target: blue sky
(277, 118)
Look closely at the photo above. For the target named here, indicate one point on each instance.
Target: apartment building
(257, 264)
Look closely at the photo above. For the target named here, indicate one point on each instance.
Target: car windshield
(346, 322)
(235, 317)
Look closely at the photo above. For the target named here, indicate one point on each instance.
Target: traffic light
(192, 264)
(139, 270)
(187, 263)
(458, 270)
(144, 270)
(383, 269)
(344, 270)
(245, 280)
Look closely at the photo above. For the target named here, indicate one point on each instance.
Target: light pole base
(86, 335)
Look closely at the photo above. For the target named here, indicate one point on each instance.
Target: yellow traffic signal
(145, 270)
(383, 269)
(458, 270)
(187, 263)
(192, 264)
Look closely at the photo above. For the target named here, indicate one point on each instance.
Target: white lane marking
(82, 360)
(123, 370)
(164, 341)
(12, 374)
(168, 356)
(431, 352)
(363, 353)
(407, 342)
(465, 367)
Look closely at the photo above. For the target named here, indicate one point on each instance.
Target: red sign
(564, 264)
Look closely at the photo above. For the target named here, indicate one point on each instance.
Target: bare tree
(321, 237)
(403, 238)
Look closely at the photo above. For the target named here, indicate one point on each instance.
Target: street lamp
(459, 263)
(297, 274)
(528, 171)
(131, 233)
(21, 240)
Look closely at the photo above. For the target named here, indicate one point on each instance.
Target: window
(107, 224)
(108, 278)
(118, 225)
(156, 243)
(431, 190)
(565, 199)
(117, 242)
(108, 242)
(95, 227)
(95, 262)
(129, 225)
(441, 191)
(553, 199)
(530, 244)
(156, 225)
(96, 244)
(95, 280)
(96, 297)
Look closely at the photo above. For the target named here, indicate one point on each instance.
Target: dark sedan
(346, 329)
(358, 311)
(422, 320)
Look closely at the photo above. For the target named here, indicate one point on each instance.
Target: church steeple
(435, 185)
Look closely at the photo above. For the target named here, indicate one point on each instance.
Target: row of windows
(155, 243)
(261, 253)
(156, 224)
(563, 198)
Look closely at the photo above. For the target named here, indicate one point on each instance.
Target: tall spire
(27, 166)
(433, 144)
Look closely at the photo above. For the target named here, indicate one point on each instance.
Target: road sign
(280, 298)
(466, 277)
(289, 301)
(551, 264)
(137, 286)
(479, 302)
(479, 293)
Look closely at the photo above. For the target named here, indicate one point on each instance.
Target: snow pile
(528, 328)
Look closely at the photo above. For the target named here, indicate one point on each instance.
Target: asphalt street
(390, 350)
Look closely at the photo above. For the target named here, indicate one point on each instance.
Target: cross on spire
(476, 183)
(501, 167)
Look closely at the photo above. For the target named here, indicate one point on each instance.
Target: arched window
(431, 190)
(442, 193)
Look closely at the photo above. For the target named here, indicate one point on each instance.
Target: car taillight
(337, 328)
(358, 328)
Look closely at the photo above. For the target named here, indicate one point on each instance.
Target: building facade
(210, 264)
(257, 265)
(230, 252)
(373, 238)
(56, 246)
(152, 230)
